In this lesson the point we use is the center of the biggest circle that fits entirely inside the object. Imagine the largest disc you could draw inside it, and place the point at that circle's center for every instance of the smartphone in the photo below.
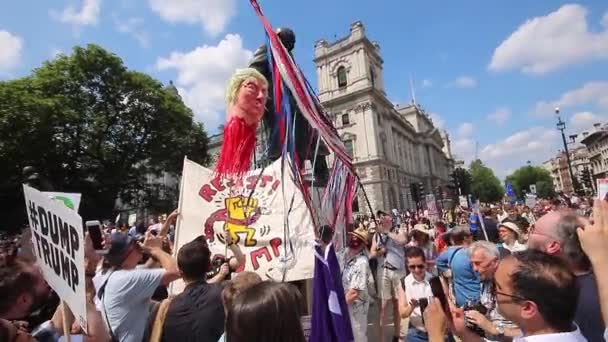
(94, 229)
(439, 293)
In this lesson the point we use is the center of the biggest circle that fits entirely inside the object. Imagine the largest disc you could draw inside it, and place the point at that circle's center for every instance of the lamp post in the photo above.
(561, 126)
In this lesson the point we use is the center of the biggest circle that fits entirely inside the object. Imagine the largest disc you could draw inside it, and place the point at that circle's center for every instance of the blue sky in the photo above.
(489, 72)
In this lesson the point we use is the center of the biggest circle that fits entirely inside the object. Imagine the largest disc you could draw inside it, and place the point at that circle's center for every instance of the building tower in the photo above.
(351, 89)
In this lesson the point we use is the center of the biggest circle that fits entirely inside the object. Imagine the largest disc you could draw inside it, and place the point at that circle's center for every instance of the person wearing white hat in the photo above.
(510, 234)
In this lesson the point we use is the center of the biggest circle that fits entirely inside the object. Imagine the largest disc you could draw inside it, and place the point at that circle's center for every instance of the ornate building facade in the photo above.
(394, 148)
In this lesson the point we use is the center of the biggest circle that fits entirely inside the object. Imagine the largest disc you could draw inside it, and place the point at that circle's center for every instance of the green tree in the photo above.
(485, 186)
(90, 125)
(525, 176)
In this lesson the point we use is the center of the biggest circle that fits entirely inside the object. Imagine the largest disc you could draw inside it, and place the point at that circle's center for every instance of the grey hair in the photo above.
(572, 251)
(490, 248)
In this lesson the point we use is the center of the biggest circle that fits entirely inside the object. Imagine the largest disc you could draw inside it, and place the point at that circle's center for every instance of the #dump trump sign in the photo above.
(58, 241)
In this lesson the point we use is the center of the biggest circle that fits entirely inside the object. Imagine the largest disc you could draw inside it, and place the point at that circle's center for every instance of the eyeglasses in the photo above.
(415, 267)
(519, 298)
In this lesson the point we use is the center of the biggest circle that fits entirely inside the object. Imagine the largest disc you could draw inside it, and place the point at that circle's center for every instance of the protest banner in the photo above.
(70, 200)
(58, 241)
(255, 210)
(433, 211)
(463, 201)
(602, 188)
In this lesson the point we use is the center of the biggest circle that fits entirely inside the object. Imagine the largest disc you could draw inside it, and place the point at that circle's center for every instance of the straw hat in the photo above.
(360, 233)
(422, 228)
(512, 226)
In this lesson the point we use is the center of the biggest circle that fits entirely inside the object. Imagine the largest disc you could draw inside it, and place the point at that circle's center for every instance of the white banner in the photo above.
(70, 200)
(208, 205)
(58, 240)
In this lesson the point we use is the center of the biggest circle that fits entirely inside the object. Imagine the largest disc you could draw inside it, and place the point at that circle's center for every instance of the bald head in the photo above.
(555, 234)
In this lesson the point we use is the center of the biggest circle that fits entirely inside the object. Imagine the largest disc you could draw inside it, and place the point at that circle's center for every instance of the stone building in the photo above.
(596, 143)
(558, 168)
(392, 147)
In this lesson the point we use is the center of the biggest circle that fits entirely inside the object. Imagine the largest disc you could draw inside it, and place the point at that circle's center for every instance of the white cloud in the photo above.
(465, 129)
(463, 149)
(591, 93)
(522, 144)
(427, 83)
(547, 43)
(438, 121)
(10, 50)
(212, 14)
(134, 27)
(500, 116)
(55, 52)
(202, 75)
(583, 121)
(464, 82)
(87, 15)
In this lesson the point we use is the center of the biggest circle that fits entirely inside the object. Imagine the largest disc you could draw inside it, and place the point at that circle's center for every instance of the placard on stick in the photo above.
(58, 240)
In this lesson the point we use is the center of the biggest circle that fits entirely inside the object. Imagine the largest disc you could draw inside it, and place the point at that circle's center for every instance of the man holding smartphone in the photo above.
(415, 294)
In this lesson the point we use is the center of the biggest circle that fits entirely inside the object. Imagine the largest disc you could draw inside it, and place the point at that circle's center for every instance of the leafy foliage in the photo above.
(485, 186)
(90, 125)
(525, 176)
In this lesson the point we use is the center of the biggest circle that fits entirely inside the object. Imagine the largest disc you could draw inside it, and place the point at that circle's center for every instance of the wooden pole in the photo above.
(67, 319)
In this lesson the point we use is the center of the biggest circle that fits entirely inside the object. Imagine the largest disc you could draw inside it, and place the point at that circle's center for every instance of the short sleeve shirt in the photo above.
(355, 275)
(126, 300)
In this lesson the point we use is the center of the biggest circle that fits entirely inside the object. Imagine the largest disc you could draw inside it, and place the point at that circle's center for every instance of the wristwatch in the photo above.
(500, 330)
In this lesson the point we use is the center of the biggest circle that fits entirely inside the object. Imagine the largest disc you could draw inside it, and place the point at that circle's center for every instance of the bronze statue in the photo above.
(305, 136)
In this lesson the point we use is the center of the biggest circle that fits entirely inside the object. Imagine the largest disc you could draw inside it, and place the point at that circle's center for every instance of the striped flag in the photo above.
(330, 318)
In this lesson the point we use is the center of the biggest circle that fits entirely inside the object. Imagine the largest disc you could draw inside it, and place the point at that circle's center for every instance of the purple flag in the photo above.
(330, 319)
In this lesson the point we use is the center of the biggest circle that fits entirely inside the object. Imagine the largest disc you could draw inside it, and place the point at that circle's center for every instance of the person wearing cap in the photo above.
(355, 276)
(509, 234)
(124, 290)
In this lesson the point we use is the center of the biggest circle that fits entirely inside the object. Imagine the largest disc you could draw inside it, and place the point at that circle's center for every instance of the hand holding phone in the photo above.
(94, 229)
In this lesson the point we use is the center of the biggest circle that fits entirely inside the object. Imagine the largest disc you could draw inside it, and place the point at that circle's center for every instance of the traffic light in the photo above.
(414, 191)
(421, 189)
(586, 178)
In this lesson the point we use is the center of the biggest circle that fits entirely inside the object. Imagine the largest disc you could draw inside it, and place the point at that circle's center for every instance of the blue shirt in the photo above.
(127, 300)
(465, 280)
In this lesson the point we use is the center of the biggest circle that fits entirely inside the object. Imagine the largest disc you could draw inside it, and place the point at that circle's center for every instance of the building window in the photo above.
(342, 77)
(349, 146)
(345, 119)
(372, 76)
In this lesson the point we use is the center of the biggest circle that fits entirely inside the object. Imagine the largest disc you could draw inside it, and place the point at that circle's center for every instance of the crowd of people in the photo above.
(507, 271)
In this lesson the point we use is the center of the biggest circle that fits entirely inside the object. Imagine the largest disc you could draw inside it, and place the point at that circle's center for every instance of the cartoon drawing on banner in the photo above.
(253, 211)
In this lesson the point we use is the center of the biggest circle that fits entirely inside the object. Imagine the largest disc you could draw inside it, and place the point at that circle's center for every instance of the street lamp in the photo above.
(561, 126)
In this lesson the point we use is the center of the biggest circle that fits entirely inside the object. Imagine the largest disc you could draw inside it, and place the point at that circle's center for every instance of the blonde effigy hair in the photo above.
(237, 79)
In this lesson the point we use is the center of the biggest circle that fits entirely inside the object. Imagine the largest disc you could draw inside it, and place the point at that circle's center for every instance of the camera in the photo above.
(216, 266)
(474, 305)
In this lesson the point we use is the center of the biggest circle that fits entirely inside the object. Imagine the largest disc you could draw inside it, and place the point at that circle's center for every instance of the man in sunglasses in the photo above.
(415, 294)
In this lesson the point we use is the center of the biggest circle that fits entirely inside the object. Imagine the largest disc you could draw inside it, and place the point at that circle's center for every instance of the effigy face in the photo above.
(251, 100)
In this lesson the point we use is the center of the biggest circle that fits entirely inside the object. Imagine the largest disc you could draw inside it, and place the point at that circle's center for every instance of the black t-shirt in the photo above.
(588, 315)
(197, 314)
